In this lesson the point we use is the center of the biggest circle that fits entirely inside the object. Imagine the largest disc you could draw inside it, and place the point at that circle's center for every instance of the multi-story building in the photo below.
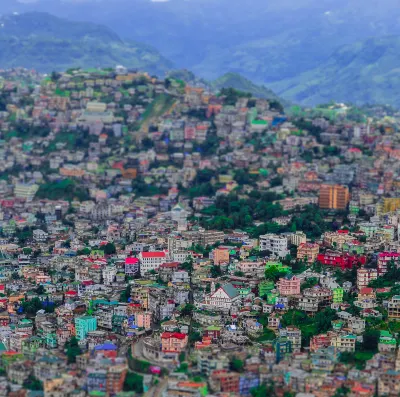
(394, 308)
(25, 191)
(383, 261)
(297, 238)
(151, 260)
(277, 245)
(337, 295)
(83, 325)
(308, 251)
(109, 274)
(131, 266)
(339, 259)
(143, 319)
(334, 197)
(224, 297)
(365, 276)
(221, 256)
(344, 343)
(387, 343)
(289, 285)
(293, 335)
(173, 342)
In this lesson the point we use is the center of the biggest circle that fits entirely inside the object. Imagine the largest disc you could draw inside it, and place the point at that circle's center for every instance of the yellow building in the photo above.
(390, 204)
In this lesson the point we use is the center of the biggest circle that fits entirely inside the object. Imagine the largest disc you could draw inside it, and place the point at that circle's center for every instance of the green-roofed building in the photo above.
(387, 343)
(265, 287)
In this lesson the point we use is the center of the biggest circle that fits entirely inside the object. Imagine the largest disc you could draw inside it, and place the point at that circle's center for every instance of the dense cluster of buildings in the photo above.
(130, 264)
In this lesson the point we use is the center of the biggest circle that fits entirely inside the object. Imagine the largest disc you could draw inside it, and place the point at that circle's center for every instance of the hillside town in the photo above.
(167, 240)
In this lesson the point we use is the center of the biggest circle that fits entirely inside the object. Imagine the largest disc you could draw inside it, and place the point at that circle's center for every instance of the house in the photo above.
(289, 285)
(40, 236)
(365, 276)
(344, 343)
(224, 297)
(387, 343)
(394, 308)
(221, 256)
(308, 252)
(173, 342)
(339, 259)
(276, 244)
(384, 258)
(131, 266)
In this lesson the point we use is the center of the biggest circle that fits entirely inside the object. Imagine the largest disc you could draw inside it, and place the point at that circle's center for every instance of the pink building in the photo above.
(143, 320)
(173, 342)
(190, 133)
(42, 278)
(289, 285)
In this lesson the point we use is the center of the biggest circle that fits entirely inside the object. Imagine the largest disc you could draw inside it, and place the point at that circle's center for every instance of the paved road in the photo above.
(157, 391)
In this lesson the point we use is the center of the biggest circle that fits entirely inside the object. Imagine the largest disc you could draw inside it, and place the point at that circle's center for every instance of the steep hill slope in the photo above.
(44, 42)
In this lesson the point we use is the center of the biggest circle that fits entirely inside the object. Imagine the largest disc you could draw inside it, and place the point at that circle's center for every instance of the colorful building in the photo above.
(337, 295)
(83, 325)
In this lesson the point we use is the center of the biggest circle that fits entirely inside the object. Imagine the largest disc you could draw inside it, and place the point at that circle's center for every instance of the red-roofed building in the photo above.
(151, 260)
(131, 266)
(173, 342)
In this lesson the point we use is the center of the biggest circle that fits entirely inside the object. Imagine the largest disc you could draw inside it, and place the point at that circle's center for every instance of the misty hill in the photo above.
(238, 82)
(45, 42)
(364, 72)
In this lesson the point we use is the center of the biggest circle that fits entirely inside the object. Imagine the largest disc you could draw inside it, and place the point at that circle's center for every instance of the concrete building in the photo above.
(334, 197)
(274, 243)
(83, 325)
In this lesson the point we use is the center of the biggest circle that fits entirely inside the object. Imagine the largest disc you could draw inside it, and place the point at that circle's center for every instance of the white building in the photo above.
(25, 191)
(224, 297)
(109, 274)
(151, 260)
(274, 243)
(40, 235)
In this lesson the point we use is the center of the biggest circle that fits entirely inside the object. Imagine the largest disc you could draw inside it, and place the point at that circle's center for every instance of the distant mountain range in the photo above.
(364, 72)
(44, 42)
(305, 50)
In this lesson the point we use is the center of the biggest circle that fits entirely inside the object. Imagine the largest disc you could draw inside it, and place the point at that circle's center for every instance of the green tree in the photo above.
(133, 382)
(40, 290)
(187, 310)
(32, 383)
(32, 306)
(73, 350)
(125, 294)
(216, 271)
(237, 364)
(109, 249)
(273, 273)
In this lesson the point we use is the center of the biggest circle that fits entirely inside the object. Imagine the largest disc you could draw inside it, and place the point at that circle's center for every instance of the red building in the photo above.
(226, 382)
(339, 259)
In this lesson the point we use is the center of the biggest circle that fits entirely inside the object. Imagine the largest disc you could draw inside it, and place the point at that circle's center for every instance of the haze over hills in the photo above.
(364, 72)
(46, 43)
(278, 44)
